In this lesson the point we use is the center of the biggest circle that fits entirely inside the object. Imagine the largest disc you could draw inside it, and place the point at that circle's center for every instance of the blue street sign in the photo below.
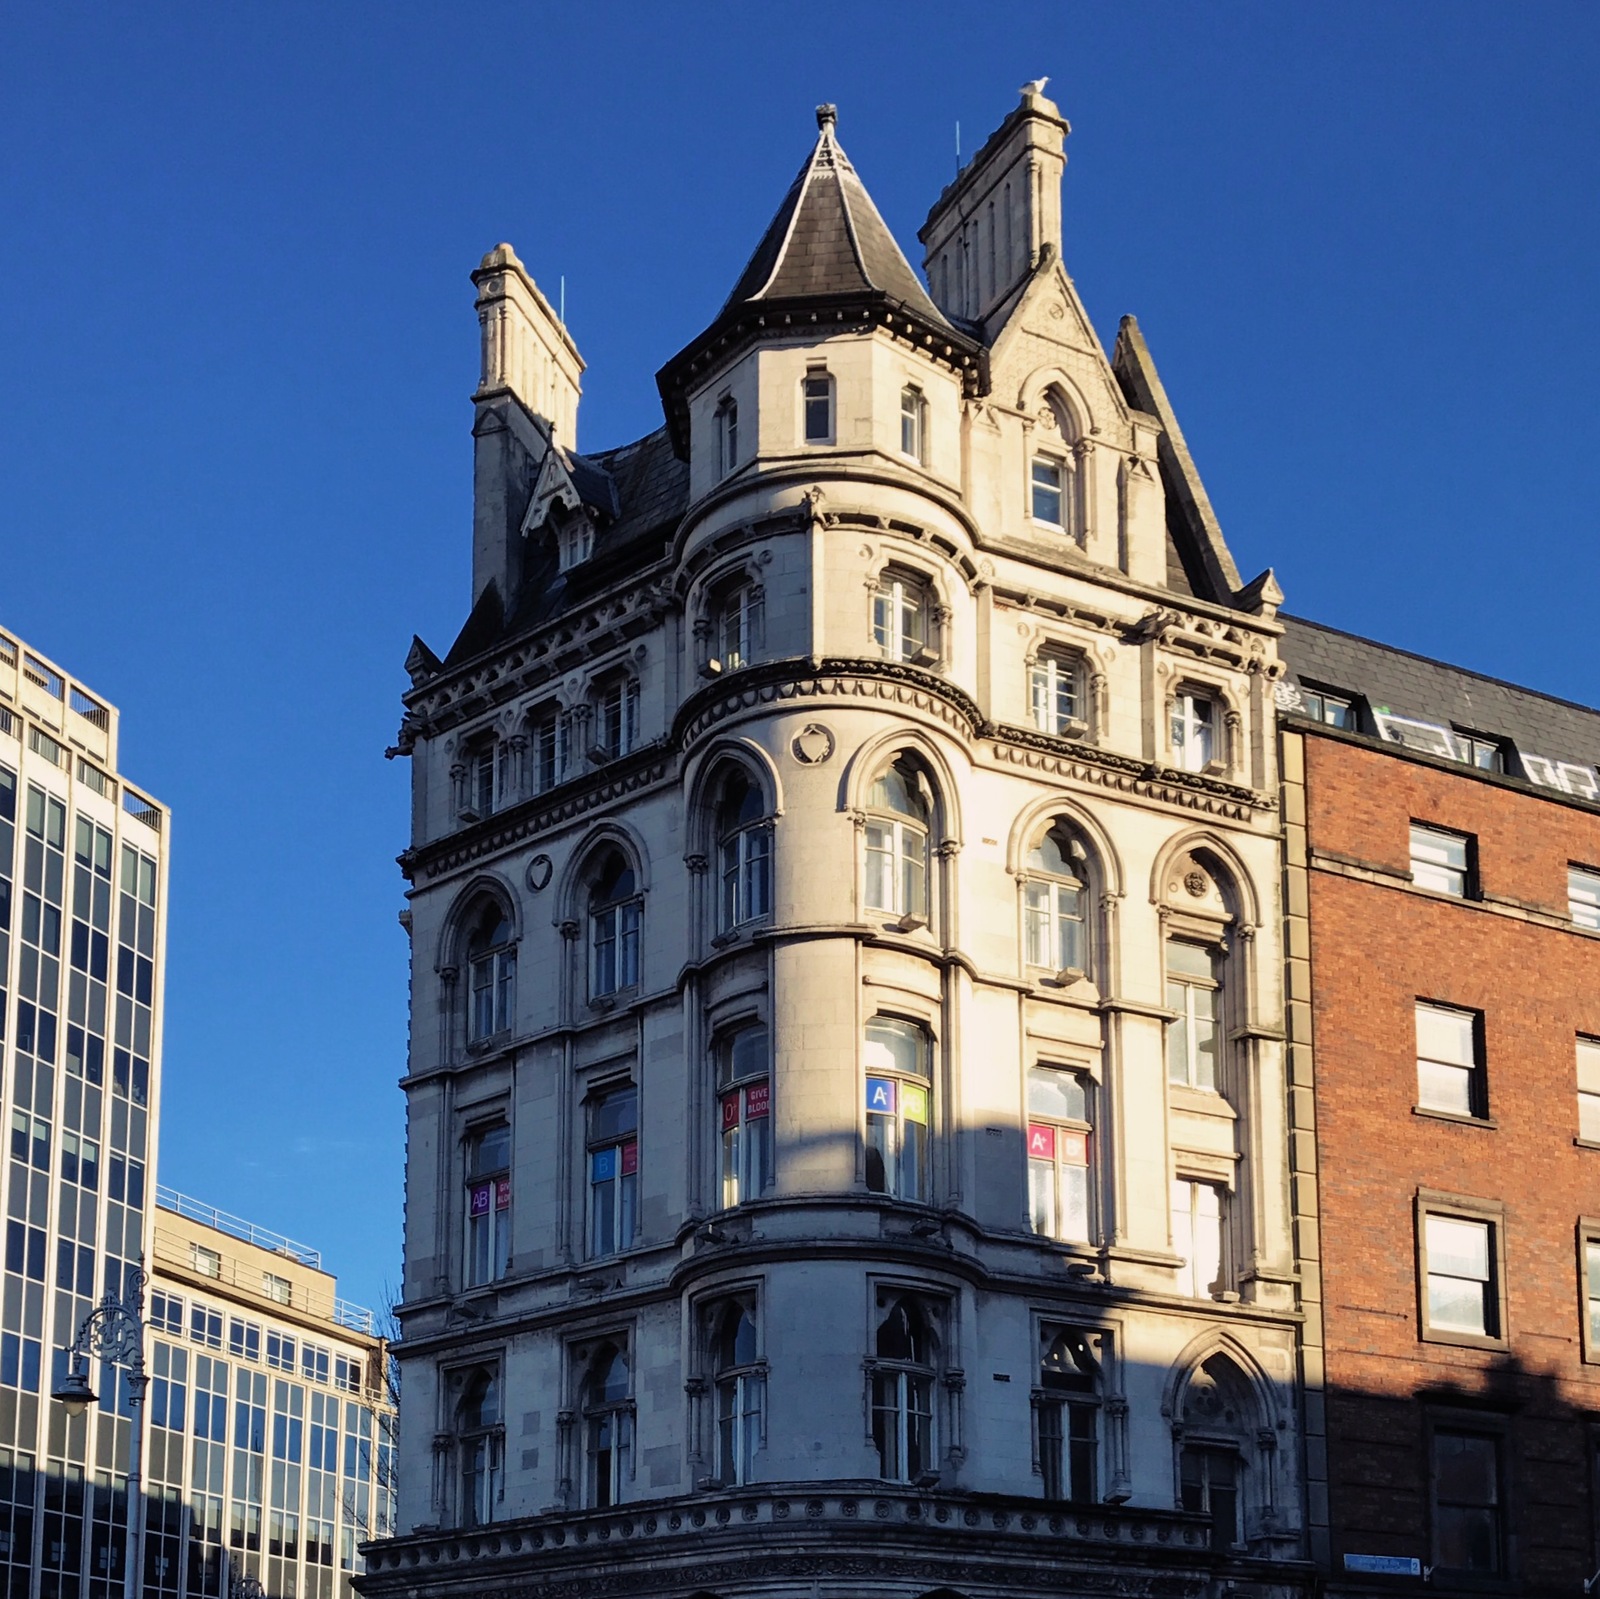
(1384, 1565)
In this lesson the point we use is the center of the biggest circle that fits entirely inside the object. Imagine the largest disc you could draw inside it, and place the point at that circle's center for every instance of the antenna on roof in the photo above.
(562, 313)
(958, 145)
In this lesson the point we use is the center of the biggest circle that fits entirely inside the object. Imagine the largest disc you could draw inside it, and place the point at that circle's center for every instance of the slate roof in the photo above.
(828, 238)
(1431, 691)
(646, 483)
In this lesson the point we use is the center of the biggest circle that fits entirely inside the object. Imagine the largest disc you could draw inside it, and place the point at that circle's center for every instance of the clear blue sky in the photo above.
(237, 340)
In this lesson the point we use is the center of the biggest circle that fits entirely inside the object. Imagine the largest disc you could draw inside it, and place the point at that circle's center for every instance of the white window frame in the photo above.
(617, 718)
(1489, 1219)
(1583, 897)
(1469, 1073)
(1048, 462)
(741, 619)
(1432, 864)
(488, 1231)
(1196, 729)
(1056, 676)
(1198, 1003)
(893, 1097)
(1188, 1215)
(1052, 1139)
(548, 738)
(618, 1414)
(826, 396)
(914, 424)
(744, 1118)
(901, 1391)
(1588, 1060)
(903, 626)
(611, 1200)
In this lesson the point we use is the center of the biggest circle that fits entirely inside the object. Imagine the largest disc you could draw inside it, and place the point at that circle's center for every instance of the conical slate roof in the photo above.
(828, 238)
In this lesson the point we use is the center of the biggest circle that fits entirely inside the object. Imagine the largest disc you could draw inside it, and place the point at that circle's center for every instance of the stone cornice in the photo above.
(747, 1540)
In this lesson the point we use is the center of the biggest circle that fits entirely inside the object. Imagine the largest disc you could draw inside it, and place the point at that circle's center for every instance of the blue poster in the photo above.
(603, 1165)
(880, 1096)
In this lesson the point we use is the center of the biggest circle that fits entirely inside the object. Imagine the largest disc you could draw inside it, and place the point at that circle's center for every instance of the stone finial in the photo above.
(827, 118)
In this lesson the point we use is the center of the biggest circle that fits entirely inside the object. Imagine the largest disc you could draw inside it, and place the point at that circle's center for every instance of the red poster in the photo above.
(1041, 1142)
(630, 1159)
(502, 1193)
(730, 1111)
(758, 1099)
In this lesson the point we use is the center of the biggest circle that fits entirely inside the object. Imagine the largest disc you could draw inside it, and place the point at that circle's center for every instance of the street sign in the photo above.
(1383, 1565)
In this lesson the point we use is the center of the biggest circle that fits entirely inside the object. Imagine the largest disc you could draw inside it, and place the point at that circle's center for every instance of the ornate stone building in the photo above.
(847, 1141)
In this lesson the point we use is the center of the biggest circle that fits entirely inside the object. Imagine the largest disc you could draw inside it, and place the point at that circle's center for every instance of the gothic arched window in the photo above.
(480, 1437)
(491, 974)
(608, 1427)
(744, 853)
(900, 817)
(739, 1390)
(1054, 896)
(615, 913)
(902, 1392)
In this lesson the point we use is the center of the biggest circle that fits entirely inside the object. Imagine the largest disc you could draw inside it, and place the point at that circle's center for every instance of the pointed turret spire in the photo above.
(827, 257)
(828, 238)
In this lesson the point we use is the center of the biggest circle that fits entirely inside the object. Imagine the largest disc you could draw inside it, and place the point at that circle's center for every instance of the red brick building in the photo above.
(1443, 892)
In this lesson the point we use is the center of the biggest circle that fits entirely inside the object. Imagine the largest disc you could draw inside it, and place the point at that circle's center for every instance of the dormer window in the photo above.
(913, 423)
(1049, 483)
(818, 399)
(727, 420)
(574, 543)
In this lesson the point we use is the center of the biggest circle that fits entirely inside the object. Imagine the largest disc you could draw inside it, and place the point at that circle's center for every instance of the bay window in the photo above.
(898, 1057)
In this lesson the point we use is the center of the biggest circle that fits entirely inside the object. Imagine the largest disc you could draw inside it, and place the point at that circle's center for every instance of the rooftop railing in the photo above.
(237, 1227)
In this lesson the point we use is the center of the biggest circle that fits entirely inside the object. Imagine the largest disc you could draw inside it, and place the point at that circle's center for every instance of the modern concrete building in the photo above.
(82, 904)
(1444, 896)
(272, 1416)
(847, 1105)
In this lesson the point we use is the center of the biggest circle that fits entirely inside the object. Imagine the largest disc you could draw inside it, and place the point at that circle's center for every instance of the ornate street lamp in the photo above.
(114, 1331)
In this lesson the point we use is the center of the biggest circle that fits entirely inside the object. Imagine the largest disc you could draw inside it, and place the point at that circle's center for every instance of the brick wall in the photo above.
(1377, 946)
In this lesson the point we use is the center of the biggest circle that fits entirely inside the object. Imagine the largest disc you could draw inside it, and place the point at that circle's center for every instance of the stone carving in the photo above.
(812, 745)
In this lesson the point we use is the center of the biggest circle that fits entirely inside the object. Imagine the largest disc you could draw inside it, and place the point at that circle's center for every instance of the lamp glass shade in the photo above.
(75, 1393)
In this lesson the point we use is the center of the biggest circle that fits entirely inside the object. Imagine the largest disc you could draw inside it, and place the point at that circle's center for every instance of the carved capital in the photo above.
(571, 929)
(696, 863)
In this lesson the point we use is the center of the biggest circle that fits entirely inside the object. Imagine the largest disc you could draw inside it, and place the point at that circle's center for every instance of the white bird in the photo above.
(1036, 87)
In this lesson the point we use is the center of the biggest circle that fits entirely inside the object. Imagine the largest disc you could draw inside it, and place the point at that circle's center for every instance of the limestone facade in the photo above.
(846, 1094)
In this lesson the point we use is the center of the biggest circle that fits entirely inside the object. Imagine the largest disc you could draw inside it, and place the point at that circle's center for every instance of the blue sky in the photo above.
(237, 340)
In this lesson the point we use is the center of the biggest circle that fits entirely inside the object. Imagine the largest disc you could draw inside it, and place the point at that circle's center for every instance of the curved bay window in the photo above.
(902, 1392)
(740, 621)
(1194, 992)
(480, 1436)
(744, 853)
(607, 1428)
(899, 825)
(902, 620)
(488, 1205)
(739, 1389)
(491, 974)
(1068, 1408)
(1059, 1151)
(898, 1056)
(745, 1108)
(1054, 897)
(614, 916)
(613, 1150)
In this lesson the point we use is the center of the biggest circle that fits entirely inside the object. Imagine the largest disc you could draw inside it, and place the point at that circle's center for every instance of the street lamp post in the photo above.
(114, 1331)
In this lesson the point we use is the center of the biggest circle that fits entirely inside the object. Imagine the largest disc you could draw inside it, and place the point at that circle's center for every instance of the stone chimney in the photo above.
(1002, 215)
(526, 400)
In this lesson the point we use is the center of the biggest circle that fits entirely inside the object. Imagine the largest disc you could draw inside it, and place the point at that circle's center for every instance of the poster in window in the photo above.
(881, 1096)
(480, 1199)
(630, 1159)
(1041, 1142)
(758, 1100)
(730, 1111)
(502, 1193)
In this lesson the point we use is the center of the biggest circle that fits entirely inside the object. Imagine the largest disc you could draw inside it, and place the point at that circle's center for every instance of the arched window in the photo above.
(739, 1389)
(898, 1056)
(608, 1427)
(491, 974)
(727, 421)
(745, 1110)
(913, 423)
(744, 853)
(480, 1435)
(1068, 1407)
(613, 1151)
(817, 400)
(899, 822)
(1219, 1420)
(1054, 696)
(488, 1172)
(1060, 1152)
(615, 910)
(902, 1393)
(902, 618)
(1053, 896)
